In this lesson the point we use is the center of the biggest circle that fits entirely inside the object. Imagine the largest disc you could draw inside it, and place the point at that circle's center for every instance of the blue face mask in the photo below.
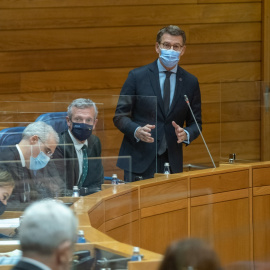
(81, 131)
(38, 162)
(169, 58)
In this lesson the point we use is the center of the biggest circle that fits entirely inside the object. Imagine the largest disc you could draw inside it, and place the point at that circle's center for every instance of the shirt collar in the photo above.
(21, 155)
(163, 69)
(36, 263)
(78, 146)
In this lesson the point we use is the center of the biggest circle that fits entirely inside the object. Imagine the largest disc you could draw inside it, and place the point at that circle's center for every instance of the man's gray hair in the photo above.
(42, 130)
(81, 103)
(45, 226)
(172, 30)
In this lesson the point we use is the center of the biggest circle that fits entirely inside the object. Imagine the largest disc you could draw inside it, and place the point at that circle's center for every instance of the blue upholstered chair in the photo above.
(10, 136)
(56, 119)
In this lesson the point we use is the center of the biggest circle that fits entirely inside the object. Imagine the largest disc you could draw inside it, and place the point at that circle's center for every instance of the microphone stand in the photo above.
(187, 101)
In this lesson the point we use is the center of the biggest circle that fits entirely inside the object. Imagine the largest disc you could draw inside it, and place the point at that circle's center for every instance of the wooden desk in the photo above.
(227, 206)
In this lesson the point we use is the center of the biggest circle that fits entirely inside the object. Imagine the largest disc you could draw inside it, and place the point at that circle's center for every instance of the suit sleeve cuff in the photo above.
(187, 140)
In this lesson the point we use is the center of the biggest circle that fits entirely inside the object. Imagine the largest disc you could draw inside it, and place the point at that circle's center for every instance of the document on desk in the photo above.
(8, 226)
(10, 223)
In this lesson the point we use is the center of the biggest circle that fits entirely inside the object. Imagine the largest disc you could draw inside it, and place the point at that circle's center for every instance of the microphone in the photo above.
(187, 101)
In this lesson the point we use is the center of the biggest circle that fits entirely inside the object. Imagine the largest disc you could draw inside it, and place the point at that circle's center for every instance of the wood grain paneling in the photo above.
(96, 215)
(127, 233)
(229, 232)
(84, 17)
(62, 50)
(158, 239)
(261, 228)
(163, 193)
(121, 205)
(261, 177)
(219, 183)
(68, 59)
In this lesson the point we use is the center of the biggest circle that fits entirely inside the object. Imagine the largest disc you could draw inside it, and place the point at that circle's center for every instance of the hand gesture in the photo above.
(144, 133)
(180, 133)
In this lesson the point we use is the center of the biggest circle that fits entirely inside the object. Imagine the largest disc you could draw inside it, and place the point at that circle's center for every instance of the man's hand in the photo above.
(144, 133)
(180, 133)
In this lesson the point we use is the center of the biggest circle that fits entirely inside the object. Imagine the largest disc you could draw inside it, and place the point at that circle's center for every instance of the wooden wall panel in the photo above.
(104, 16)
(62, 50)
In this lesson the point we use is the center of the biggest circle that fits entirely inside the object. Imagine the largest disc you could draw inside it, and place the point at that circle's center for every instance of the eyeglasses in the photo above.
(47, 150)
(168, 46)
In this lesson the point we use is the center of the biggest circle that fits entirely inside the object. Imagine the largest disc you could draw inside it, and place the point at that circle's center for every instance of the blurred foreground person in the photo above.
(47, 235)
(190, 254)
(6, 187)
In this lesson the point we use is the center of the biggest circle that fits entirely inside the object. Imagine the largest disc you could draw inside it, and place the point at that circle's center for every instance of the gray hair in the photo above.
(81, 103)
(45, 226)
(42, 130)
(172, 30)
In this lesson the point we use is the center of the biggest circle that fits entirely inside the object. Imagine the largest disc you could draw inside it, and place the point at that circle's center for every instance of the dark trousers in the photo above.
(157, 166)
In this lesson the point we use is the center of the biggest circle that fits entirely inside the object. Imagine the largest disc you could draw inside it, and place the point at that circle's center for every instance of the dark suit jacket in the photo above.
(141, 103)
(68, 165)
(21, 265)
(44, 183)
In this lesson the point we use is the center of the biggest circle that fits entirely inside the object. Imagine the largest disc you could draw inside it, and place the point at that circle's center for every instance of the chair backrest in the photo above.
(11, 136)
(56, 119)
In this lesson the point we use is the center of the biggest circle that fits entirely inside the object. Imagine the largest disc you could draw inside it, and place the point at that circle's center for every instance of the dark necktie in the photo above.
(166, 100)
(85, 166)
(166, 92)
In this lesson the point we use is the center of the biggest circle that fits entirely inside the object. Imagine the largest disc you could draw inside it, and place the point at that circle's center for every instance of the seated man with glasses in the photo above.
(30, 164)
(150, 145)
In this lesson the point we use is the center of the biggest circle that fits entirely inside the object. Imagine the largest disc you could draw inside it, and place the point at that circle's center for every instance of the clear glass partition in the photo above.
(122, 115)
(244, 124)
(205, 150)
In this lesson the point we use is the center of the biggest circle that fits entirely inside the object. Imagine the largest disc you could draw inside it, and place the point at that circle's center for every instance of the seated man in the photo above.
(29, 163)
(79, 151)
(47, 235)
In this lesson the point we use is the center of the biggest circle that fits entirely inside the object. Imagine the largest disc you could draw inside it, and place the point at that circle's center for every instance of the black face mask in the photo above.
(2, 208)
(81, 131)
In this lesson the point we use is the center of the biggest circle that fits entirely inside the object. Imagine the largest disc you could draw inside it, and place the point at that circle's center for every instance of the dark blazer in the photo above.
(21, 265)
(141, 103)
(68, 165)
(43, 183)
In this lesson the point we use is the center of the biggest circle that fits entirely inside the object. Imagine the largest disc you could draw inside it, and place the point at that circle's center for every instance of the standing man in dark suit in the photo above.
(152, 111)
(79, 151)
(47, 235)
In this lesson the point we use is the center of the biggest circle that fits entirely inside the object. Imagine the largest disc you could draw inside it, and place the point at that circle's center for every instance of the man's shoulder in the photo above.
(187, 75)
(94, 140)
(9, 153)
(144, 68)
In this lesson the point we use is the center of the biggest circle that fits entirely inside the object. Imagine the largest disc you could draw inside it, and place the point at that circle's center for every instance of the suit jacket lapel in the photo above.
(178, 88)
(71, 151)
(154, 78)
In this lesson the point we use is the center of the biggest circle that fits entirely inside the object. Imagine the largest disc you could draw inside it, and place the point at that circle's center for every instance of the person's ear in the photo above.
(33, 139)
(157, 48)
(95, 122)
(183, 51)
(69, 122)
(64, 255)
